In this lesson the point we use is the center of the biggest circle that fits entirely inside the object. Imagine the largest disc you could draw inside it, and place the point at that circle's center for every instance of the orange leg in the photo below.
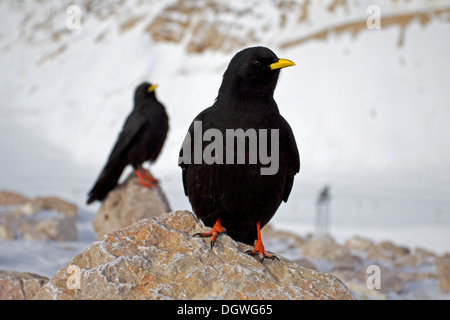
(259, 247)
(142, 181)
(148, 176)
(216, 230)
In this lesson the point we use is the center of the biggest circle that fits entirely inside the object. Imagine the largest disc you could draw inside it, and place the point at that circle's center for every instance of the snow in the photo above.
(370, 117)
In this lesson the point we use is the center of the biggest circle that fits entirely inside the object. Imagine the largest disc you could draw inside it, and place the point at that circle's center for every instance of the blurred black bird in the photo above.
(141, 139)
(237, 198)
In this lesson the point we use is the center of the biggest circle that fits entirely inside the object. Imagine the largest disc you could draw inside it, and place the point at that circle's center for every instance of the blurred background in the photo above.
(368, 100)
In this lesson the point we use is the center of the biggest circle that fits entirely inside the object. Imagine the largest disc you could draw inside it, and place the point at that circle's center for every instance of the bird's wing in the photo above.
(117, 159)
(185, 166)
(133, 124)
(293, 159)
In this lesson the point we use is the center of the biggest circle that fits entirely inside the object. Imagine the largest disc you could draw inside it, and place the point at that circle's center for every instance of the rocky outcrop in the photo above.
(398, 266)
(128, 203)
(41, 219)
(158, 258)
(443, 272)
(212, 25)
(325, 248)
(404, 273)
(8, 198)
(206, 25)
(19, 285)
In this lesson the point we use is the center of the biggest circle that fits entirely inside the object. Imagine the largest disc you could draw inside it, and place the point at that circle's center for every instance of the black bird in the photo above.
(140, 140)
(235, 197)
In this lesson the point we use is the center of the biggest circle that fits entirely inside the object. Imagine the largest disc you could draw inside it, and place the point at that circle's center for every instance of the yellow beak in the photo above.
(152, 88)
(282, 63)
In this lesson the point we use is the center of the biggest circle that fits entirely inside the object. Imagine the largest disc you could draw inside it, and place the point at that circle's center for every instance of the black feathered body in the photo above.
(147, 143)
(239, 194)
(141, 139)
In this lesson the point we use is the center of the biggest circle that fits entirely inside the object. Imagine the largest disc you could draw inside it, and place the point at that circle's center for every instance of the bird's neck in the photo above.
(248, 103)
(240, 93)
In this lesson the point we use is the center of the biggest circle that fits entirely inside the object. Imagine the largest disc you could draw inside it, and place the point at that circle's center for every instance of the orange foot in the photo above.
(259, 248)
(148, 176)
(216, 230)
(144, 180)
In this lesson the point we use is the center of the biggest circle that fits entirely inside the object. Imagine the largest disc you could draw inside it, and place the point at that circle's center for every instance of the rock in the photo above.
(40, 219)
(359, 243)
(57, 228)
(356, 281)
(390, 281)
(305, 263)
(19, 285)
(29, 208)
(386, 250)
(422, 256)
(6, 233)
(158, 258)
(419, 258)
(128, 203)
(286, 243)
(290, 239)
(347, 262)
(184, 19)
(325, 248)
(443, 273)
(364, 293)
(8, 198)
(53, 203)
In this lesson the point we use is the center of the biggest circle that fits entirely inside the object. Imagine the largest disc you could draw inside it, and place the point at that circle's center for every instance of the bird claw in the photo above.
(213, 236)
(200, 235)
(205, 235)
(216, 231)
(146, 179)
(261, 252)
(148, 176)
(262, 255)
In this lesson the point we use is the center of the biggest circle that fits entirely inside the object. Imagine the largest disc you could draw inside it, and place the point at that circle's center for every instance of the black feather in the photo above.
(237, 193)
(141, 139)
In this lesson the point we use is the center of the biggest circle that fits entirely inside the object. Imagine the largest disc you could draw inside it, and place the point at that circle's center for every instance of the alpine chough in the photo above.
(226, 193)
(140, 140)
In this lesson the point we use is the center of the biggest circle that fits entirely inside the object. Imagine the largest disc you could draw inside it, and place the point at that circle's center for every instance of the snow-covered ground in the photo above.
(370, 118)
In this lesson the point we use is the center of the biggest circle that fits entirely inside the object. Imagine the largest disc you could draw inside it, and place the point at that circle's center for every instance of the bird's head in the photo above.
(144, 91)
(253, 71)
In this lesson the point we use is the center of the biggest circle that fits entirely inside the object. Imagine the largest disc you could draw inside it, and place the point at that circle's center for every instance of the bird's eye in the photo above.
(257, 63)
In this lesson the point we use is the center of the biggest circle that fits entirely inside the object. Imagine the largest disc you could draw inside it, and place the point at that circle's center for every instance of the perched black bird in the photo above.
(141, 139)
(229, 195)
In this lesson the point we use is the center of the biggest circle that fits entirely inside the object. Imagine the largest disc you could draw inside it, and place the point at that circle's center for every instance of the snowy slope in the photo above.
(369, 108)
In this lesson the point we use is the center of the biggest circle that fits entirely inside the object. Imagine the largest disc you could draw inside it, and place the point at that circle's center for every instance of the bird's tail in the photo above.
(106, 182)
